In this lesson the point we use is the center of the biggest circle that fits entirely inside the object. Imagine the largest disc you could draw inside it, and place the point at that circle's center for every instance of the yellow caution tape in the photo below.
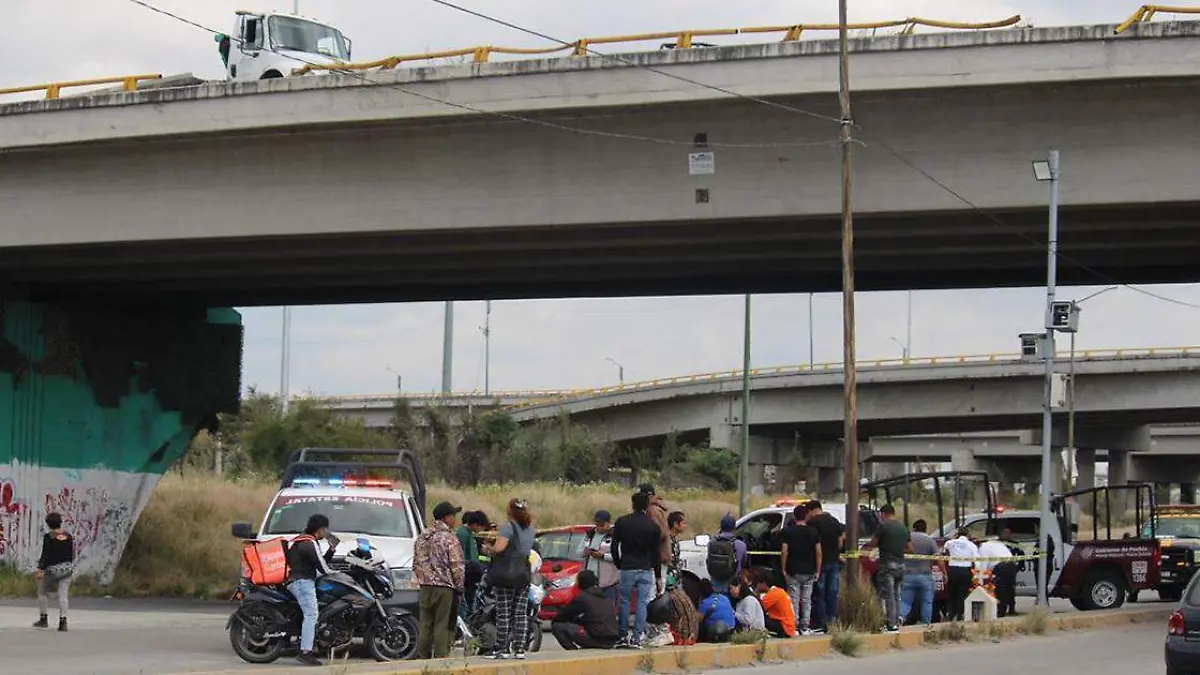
(874, 554)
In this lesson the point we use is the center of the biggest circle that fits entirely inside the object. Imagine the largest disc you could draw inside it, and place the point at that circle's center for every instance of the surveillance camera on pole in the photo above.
(1034, 346)
(1064, 317)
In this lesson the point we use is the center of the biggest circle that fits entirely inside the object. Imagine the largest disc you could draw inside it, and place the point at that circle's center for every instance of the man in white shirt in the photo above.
(962, 552)
(1004, 571)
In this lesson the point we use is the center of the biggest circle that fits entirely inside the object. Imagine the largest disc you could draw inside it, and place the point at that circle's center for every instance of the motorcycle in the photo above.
(477, 632)
(268, 620)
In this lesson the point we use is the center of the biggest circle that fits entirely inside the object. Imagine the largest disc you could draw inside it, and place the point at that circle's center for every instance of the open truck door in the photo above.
(1108, 548)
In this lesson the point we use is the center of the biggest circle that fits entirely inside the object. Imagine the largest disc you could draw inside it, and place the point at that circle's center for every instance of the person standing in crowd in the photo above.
(587, 622)
(636, 551)
(748, 610)
(997, 559)
(717, 619)
(54, 570)
(440, 572)
(599, 557)
(779, 617)
(828, 584)
(892, 540)
(918, 576)
(305, 565)
(962, 552)
(725, 572)
(801, 562)
(473, 522)
(514, 541)
(659, 513)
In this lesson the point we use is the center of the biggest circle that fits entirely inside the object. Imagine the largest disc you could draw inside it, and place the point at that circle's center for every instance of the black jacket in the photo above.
(594, 612)
(305, 561)
(635, 542)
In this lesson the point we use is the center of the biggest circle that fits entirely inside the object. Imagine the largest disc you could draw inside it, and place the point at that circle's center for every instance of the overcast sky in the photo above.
(566, 343)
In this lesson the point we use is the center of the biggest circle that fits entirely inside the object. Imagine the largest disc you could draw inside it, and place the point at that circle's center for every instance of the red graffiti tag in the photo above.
(11, 514)
(82, 512)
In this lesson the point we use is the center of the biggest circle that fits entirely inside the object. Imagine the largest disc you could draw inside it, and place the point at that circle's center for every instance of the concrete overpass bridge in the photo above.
(332, 189)
(131, 216)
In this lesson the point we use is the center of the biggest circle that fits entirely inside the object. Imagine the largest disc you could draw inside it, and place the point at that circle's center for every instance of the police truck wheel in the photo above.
(1103, 589)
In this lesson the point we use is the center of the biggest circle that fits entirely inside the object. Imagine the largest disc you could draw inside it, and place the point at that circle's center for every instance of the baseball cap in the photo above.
(646, 489)
(445, 509)
(602, 516)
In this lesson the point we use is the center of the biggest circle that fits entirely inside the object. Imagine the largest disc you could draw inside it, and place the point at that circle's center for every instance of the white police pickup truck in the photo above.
(359, 498)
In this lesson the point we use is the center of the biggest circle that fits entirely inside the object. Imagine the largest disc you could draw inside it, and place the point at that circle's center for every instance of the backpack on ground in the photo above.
(722, 563)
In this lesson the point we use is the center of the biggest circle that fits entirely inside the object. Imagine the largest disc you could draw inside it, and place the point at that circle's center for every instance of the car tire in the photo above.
(1104, 589)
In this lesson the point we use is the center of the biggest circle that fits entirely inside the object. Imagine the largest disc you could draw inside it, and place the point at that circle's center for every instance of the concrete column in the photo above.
(1118, 467)
(1085, 461)
(963, 459)
(723, 436)
(1187, 493)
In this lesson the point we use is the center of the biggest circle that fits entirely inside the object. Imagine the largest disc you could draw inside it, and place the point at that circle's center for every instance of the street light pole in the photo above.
(1071, 392)
(849, 374)
(447, 346)
(744, 464)
(487, 348)
(1044, 562)
(285, 360)
(810, 330)
(620, 369)
(908, 330)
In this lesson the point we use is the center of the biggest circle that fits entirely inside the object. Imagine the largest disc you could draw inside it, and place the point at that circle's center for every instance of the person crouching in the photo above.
(588, 621)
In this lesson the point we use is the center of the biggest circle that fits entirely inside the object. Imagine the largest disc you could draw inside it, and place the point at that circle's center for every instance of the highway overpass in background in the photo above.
(326, 189)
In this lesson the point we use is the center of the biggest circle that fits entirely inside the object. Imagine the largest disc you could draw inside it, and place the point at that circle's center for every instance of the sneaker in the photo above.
(807, 632)
(891, 629)
(62, 624)
(520, 656)
(41, 623)
(308, 659)
(497, 655)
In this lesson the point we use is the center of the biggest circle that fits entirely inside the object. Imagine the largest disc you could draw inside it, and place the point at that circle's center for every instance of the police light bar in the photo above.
(341, 482)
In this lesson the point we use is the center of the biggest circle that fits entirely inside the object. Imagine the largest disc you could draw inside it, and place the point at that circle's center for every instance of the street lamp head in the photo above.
(1041, 170)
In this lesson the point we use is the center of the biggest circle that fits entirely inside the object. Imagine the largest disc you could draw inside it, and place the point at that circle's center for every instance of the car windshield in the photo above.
(309, 37)
(1177, 527)
(377, 516)
(562, 545)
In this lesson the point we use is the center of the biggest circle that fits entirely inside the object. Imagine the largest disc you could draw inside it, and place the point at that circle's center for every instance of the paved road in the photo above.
(1137, 649)
(157, 637)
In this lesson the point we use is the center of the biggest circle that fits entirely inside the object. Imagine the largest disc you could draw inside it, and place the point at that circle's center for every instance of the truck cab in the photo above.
(361, 500)
(272, 44)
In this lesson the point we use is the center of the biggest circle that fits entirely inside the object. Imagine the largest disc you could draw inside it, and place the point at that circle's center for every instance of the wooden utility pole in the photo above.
(850, 374)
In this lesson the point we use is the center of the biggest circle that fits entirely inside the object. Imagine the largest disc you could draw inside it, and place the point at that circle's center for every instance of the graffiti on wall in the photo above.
(99, 509)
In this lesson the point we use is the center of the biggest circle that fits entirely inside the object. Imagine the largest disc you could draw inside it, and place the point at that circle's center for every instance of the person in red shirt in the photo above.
(777, 605)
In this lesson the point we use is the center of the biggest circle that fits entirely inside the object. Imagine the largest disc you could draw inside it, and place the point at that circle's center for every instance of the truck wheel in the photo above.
(1104, 589)
(1170, 593)
(1078, 604)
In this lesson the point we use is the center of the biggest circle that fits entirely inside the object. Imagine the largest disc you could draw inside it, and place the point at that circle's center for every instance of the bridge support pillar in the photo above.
(963, 459)
(1118, 467)
(1187, 493)
(1085, 461)
(95, 404)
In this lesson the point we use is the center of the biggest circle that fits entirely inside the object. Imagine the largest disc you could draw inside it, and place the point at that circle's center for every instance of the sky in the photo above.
(551, 344)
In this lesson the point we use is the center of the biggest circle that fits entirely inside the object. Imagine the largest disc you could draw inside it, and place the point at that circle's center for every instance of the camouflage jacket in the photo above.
(438, 558)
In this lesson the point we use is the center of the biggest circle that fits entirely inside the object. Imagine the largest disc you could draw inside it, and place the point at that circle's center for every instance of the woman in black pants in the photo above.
(514, 539)
(54, 571)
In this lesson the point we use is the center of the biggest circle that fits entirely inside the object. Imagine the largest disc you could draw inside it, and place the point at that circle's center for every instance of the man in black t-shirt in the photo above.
(827, 586)
(801, 551)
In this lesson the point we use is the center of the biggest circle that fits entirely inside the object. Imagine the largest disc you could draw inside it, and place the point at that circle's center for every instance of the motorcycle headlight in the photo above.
(563, 582)
(403, 578)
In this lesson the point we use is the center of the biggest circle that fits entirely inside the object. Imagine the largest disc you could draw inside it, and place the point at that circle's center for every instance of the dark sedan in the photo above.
(1183, 633)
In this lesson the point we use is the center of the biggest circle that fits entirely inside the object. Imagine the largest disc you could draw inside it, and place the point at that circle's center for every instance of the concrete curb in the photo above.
(704, 656)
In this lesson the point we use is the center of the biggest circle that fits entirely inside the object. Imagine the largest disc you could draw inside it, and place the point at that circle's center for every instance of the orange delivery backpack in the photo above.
(264, 563)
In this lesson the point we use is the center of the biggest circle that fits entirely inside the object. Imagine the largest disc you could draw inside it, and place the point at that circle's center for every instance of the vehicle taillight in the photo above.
(1175, 625)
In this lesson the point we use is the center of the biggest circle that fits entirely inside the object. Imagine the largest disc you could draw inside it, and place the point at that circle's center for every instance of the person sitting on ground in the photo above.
(719, 567)
(588, 621)
(717, 619)
(749, 610)
(685, 620)
(780, 614)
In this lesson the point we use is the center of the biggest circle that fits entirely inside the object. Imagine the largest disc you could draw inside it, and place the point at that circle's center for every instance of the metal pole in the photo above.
(1044, 563)
(744, 467)
(811, 361)
(285, 358)
(487, 348)
(908, 332)
(850, 375)
(295, 6)
(448, 347)
(1071, 417)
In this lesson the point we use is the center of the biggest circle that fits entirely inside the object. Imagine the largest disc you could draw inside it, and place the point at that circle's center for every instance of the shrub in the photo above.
(1035, 622)
(845, 641)
(859, 608)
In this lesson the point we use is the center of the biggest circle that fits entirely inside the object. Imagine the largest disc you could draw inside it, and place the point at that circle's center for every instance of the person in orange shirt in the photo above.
(777, 605)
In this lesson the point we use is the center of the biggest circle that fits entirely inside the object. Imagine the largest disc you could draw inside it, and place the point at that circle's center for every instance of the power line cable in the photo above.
(508, 116)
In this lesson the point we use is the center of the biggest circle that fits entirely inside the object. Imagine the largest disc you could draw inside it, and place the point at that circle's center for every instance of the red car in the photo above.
(562, 559)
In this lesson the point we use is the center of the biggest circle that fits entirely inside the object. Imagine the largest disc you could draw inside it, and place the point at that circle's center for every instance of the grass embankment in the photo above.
(181, 546)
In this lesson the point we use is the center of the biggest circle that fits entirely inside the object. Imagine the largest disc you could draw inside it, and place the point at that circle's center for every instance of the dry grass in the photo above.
(859, 607)
(182, 547)
(1035, 622)
(845, 641)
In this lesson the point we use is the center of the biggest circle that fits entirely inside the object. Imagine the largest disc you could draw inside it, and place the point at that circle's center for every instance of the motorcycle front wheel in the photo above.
(250, 623)
(398, 643)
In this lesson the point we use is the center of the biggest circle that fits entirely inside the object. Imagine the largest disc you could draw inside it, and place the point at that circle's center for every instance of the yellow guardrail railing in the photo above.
(535, 397)
(54, 89)
(684, 39)
(1146, 13)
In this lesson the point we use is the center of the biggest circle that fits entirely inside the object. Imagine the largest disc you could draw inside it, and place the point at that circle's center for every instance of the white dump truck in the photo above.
(273, 44)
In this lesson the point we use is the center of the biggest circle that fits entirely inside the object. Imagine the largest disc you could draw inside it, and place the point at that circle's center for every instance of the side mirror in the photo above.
(702, 540)
(244, 531)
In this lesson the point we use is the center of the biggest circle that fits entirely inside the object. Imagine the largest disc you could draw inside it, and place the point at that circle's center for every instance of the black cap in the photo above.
(587, 579)
(602, 516)
(646, 489)
(888, 509)
(445, 509)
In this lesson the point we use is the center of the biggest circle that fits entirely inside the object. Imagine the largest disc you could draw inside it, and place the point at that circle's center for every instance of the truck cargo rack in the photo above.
(340, 462)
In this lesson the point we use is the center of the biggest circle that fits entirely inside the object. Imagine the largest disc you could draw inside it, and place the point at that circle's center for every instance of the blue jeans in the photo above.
(643, 581)
(613, 595)
(917, 588)
(825, 596)
(305, 592)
